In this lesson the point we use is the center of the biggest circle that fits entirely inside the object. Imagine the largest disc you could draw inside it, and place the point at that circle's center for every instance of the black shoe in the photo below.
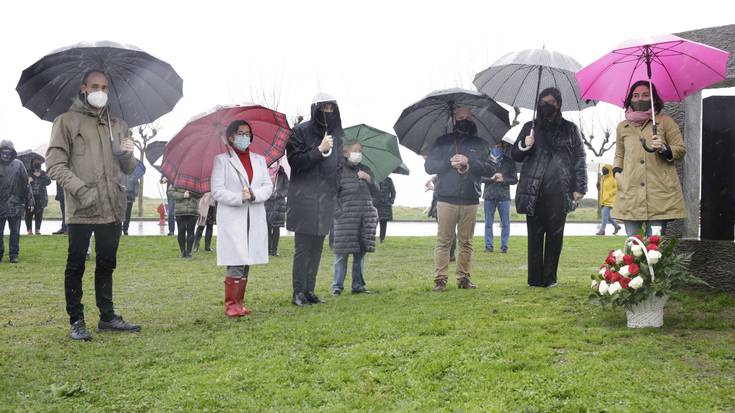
(117, 324)
(79, 331)
(13, 259)
(617, 228)
(488, 250)
(59, 232)
(125, 232)
(170, 234)
(208, 249)
(362, 290)
(504, 250)
(313, 299)
(336, 293)
(300, 300)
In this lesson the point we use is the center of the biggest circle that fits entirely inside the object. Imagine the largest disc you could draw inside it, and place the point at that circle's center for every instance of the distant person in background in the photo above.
(39, 181)
(60, 197)
(553, 179)
(607, 188)
(275, 206)
(384, 204)
(15, 197)
(503, 174)
(206, 221)
(132, 186)
(187, 212)
(170, 205)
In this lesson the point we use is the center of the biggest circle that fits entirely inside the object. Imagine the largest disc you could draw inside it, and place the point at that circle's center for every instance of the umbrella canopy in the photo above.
(142, 88)
(380, 150)
(517, 78)
(28, 156)
(139, 169)
(676, 66)
(402, 169)
(154, 152)
(431, 117)
(189, 156)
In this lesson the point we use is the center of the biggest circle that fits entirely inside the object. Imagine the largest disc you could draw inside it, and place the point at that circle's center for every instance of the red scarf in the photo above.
(245, 160)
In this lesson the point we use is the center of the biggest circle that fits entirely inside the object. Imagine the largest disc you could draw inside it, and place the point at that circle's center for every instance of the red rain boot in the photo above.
(234, 289)
(241, 297)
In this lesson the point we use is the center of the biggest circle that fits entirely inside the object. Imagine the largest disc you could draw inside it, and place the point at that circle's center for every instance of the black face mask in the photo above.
(464, 126)
(641, 105)
(605, 171)
(547, 110)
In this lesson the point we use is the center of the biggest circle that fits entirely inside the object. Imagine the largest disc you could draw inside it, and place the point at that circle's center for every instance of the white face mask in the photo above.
(241, 142)
(355, 157)
(97, 99)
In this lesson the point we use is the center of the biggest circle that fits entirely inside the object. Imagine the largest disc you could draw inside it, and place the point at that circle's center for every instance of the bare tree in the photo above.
(517, 112)
(142, 136)
(597, 135)
(269, 97)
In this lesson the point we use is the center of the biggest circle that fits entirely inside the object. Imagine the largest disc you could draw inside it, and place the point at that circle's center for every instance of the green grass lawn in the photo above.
(503, 347)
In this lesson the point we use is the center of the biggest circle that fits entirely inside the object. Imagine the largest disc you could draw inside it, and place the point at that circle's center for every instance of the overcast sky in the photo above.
(375, 57)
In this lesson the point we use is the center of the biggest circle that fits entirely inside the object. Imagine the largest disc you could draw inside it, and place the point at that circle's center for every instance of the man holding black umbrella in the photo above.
(459, 159)
(88, 153)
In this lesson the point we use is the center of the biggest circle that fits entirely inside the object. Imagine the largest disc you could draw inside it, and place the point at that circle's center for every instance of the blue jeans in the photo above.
(503, 208)
(635, 227)
(340, 271)
(171, 216)
(606, 218)
(14, 243)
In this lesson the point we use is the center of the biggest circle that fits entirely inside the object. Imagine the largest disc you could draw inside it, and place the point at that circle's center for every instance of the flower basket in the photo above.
(647, 313)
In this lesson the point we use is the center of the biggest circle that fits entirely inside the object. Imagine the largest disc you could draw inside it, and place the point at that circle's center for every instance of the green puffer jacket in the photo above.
(184, 206)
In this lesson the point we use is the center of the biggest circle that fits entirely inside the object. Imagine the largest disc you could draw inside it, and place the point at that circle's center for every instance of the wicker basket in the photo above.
(647, 313)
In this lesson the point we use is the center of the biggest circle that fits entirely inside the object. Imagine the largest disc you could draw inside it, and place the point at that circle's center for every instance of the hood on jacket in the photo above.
(317, 121)
(79, 106)
(609, 169)
(8, 144)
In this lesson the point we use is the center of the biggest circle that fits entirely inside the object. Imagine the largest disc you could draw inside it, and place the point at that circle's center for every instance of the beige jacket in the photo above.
(648, 187)
(80, 159)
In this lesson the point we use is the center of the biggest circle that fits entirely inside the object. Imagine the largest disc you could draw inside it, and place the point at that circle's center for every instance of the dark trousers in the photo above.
(128, 211)
(36, 215)
(207, 230)
(185, 225)
(14, 242)
(107, 239)
(545, 240)
(62, 205)
(274, 235)
(307, 255)
(383, 229)
(171, 216)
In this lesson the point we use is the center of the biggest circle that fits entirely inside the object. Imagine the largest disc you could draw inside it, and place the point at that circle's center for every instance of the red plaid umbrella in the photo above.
(188, 157)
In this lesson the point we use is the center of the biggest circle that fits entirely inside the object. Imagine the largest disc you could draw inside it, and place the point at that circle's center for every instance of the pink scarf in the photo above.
(639, 118)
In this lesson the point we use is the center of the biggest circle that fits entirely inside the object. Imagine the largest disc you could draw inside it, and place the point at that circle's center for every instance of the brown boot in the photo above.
(440, 285)
(234, 290)
(465, 283)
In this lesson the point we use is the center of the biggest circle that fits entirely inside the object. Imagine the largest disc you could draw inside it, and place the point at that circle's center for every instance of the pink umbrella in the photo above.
(678, 67)
(189, 156)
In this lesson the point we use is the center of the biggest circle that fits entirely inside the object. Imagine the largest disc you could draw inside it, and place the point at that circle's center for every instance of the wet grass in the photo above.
(503, 347)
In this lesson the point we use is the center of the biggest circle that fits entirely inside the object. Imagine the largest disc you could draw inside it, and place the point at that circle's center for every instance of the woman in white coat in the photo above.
(241, 185)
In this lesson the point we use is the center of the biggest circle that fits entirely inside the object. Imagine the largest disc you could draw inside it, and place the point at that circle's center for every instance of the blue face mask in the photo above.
(6, 156)
(242, 142)
(497, 152)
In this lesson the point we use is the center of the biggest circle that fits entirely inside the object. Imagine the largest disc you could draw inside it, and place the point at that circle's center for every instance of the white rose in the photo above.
(614, 288)
(594, 285)
(603, 287)
(637, 250)
(624, 271)
(618, 254)
(653, 257)
(602, 271)
(636, 283)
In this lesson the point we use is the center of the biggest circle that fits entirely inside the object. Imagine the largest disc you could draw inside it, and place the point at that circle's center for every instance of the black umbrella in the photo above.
(423, 122)
(154, 152)
(28, 156)
(142, 88)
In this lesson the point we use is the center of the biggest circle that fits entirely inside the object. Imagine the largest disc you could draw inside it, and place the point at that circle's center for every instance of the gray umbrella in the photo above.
(423, 122)
(517, 78)
(142, 88)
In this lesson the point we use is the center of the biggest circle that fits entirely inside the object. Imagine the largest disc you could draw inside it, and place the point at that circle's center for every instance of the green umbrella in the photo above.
(379, 149)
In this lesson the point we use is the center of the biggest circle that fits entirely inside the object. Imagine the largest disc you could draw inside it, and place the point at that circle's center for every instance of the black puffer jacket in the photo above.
(561, 140)
(384, 200)
(453, 187)
(355, 219)
(314, 177)
(15, 192)
(275, 206)
(38, 187)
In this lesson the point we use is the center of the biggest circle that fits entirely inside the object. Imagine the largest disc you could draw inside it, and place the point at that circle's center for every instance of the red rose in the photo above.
(655, 239)
(652, 247)
(608, 275)
(624, 282)
(634, 269)
(610, 261)
(615, 277)
(628, 259)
